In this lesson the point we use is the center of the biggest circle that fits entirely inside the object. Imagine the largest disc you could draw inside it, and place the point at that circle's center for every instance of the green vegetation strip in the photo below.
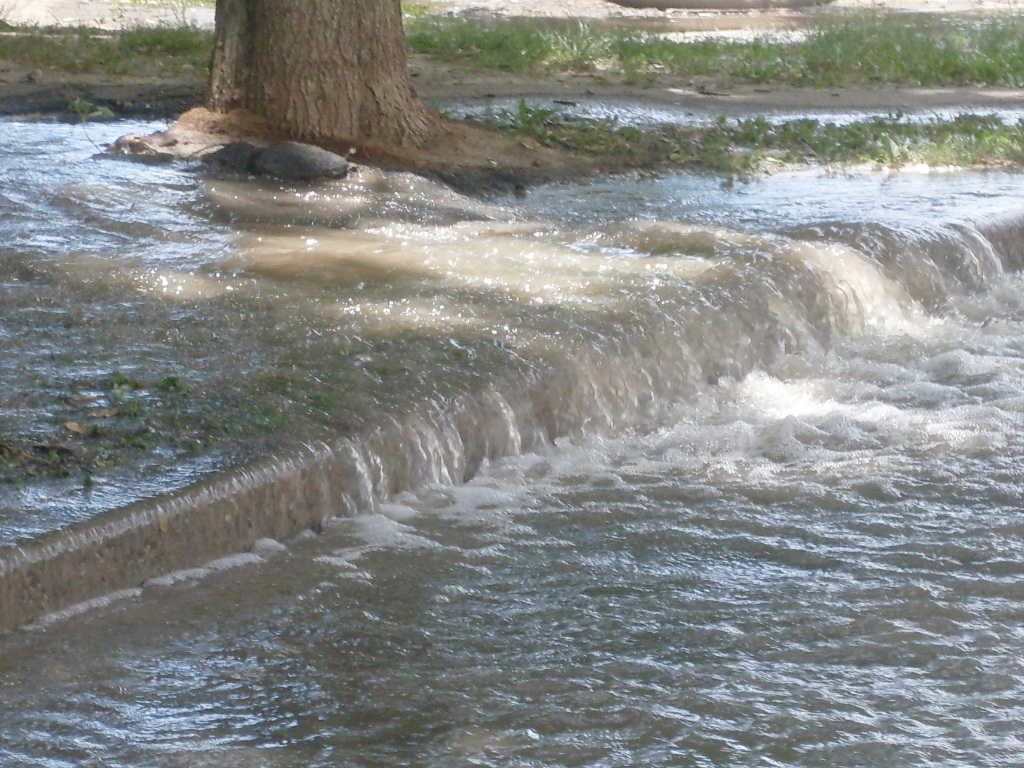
(756, 145)
(903, 49)
(143, 51)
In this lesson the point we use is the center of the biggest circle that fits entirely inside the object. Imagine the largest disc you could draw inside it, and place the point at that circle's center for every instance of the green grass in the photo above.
(756, 145)
(900, 49)
(164, 50)
(917, 50)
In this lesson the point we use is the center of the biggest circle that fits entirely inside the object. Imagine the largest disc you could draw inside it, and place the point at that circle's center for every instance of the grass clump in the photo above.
(757, 145)
(576, 48)
(21, 462)
(513, 46)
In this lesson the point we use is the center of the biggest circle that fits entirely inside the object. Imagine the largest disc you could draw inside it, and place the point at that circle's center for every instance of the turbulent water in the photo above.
(760, 503)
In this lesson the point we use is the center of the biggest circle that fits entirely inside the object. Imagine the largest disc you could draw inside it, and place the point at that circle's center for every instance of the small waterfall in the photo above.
(693, 306)
(932, 263)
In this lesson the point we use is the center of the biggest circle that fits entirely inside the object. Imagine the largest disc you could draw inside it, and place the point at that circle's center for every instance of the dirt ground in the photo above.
(117, 13)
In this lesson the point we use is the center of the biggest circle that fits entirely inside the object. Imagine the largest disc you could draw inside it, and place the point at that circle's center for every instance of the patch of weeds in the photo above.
(85, 111)
(757, 145)
(508, 46)
(907, 49)
(169, 384)
(916, 49)
(118, 380)
(127, 408)
(135, 441)
(527, 118)
(966, 140)
(80, 107)
(579, 48)
(20, 462)
(514, 45)
(857, 49)
(183, 42)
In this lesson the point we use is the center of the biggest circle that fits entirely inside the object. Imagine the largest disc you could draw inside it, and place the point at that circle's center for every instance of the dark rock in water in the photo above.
(287, 160)
(157, 158)
(485, 183)
(291, 161)
(238, 155)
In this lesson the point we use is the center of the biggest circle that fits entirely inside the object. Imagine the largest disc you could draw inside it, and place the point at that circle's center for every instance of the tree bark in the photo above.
(322, 71)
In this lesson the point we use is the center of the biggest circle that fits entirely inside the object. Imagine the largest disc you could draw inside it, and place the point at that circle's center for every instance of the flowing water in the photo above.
(749, 492)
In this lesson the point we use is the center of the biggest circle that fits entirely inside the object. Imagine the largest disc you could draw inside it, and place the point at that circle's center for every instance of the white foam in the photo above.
(214, 566)
(234, 561)
(85, 606)
(268, 546)
(178, 577)
(380, 532)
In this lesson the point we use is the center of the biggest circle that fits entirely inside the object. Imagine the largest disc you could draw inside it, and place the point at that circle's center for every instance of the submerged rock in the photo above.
(287, 160)
(292, 161)
(238, 155)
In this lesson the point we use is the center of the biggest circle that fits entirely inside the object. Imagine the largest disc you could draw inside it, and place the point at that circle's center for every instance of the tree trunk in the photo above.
(322, 71)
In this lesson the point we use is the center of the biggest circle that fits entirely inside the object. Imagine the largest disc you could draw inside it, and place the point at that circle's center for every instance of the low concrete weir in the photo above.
(228, 513)
(770, 296)
(277, 497)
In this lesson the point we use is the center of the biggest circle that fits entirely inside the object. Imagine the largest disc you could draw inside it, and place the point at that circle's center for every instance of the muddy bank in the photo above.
(110, 100)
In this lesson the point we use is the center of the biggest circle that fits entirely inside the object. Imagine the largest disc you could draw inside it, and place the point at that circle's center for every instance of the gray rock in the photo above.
(291, 161)
(237, 155)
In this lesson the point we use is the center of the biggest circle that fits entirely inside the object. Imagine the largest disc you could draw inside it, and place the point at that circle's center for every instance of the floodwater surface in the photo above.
(765, 509)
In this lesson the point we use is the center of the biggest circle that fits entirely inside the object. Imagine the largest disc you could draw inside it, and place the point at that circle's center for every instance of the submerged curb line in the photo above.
(277, 497)
(224, 514)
